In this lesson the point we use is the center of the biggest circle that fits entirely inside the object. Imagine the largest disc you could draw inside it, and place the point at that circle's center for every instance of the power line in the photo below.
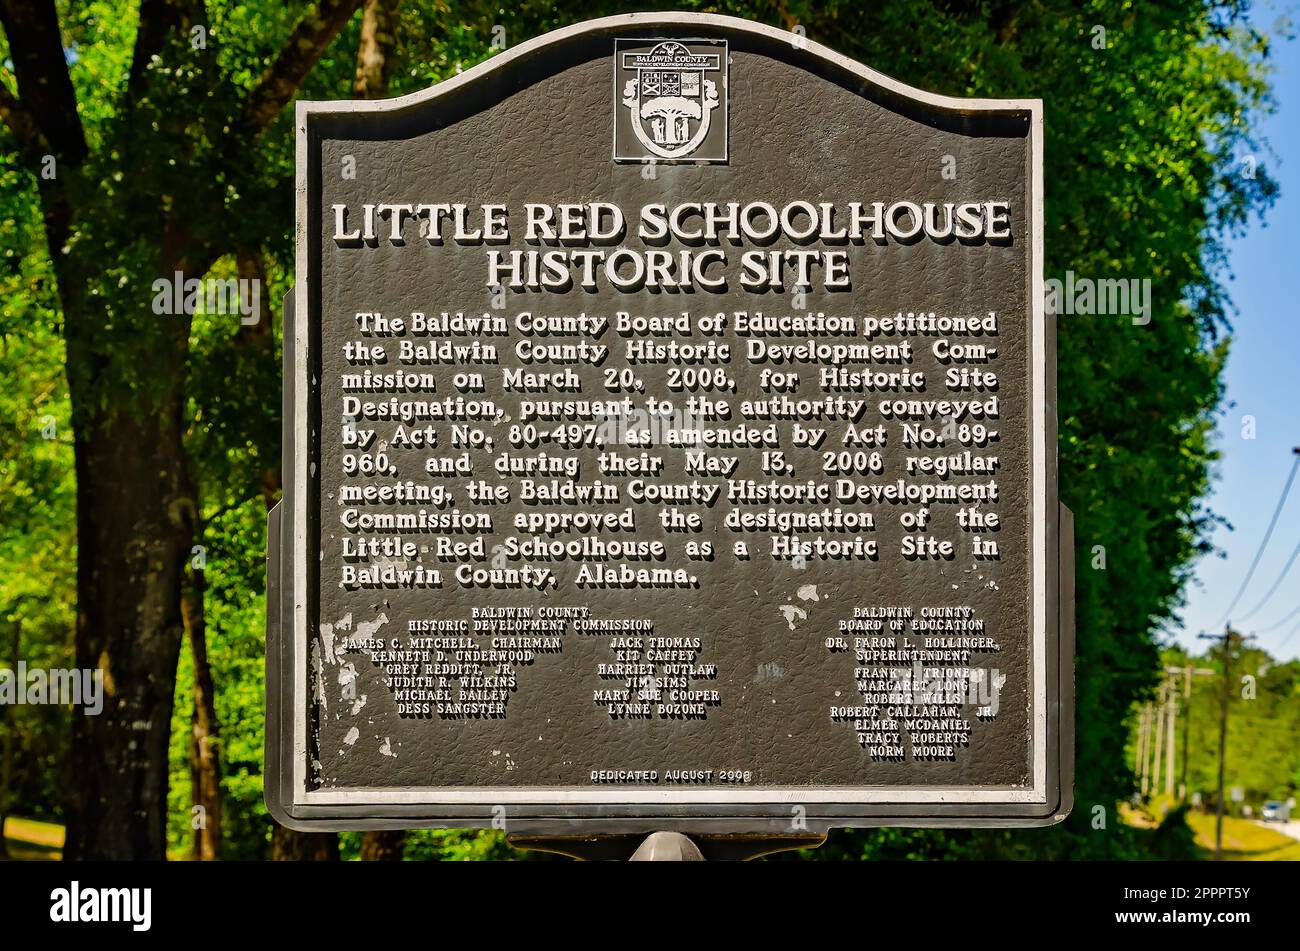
(1276, 624)
(1286, 490)
(1276, 584)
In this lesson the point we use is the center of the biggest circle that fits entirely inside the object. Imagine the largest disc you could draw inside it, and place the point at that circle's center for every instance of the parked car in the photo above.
(1275, 811)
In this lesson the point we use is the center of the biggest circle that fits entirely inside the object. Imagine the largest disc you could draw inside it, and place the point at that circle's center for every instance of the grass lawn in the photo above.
(31, 840)
(1243, 840)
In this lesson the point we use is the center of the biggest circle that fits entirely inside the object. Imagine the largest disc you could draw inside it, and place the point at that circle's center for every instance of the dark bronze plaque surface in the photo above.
(708, 484)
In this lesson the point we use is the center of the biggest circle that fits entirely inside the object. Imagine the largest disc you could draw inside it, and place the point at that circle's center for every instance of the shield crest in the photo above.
(671, 92)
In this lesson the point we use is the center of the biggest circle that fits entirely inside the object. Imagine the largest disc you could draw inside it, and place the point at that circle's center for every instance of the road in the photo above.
(1291, 828)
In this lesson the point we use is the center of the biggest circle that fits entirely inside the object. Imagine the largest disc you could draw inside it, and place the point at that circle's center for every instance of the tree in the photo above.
(668, 115)
(150, 192)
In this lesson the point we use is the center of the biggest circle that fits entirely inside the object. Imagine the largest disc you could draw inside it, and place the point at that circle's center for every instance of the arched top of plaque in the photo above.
(667, 51)
(587, 40)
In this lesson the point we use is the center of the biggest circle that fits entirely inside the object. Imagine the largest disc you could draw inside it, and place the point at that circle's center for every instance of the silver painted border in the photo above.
(569, 796)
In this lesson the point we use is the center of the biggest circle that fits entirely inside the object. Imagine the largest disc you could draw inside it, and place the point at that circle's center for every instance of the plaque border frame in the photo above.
(721, 810)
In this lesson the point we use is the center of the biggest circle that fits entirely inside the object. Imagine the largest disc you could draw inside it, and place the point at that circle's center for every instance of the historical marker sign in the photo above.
(707, 484)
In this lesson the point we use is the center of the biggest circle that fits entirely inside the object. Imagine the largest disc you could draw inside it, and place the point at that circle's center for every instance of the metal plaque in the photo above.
(707, 486)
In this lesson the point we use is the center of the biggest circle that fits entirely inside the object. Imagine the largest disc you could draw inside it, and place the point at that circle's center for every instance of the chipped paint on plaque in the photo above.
(367, 629)
(327, 638)
(791, 612)
(347, 678)
(318, 677)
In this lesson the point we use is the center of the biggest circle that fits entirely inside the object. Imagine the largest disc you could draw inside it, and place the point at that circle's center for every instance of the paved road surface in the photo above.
(1291, 828)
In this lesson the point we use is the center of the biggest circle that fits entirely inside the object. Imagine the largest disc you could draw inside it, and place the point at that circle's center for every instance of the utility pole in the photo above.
(1230, 638)
(1186, 672)
(1187, 728)
(1144, 746)
(1161, 713)
(1171, 694)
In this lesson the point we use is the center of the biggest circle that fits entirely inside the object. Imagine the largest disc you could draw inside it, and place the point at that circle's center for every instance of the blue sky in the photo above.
(1263, 381)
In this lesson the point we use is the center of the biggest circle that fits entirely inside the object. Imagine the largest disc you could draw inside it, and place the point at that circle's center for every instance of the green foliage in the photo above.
(443, 845)
(235, 614)
(38, 552)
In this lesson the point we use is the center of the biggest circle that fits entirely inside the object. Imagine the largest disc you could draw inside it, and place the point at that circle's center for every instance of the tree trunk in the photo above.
(385, 846)
(290, 846)
(205, 734)
(134, 527)
(374, 55)
(11, 727)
